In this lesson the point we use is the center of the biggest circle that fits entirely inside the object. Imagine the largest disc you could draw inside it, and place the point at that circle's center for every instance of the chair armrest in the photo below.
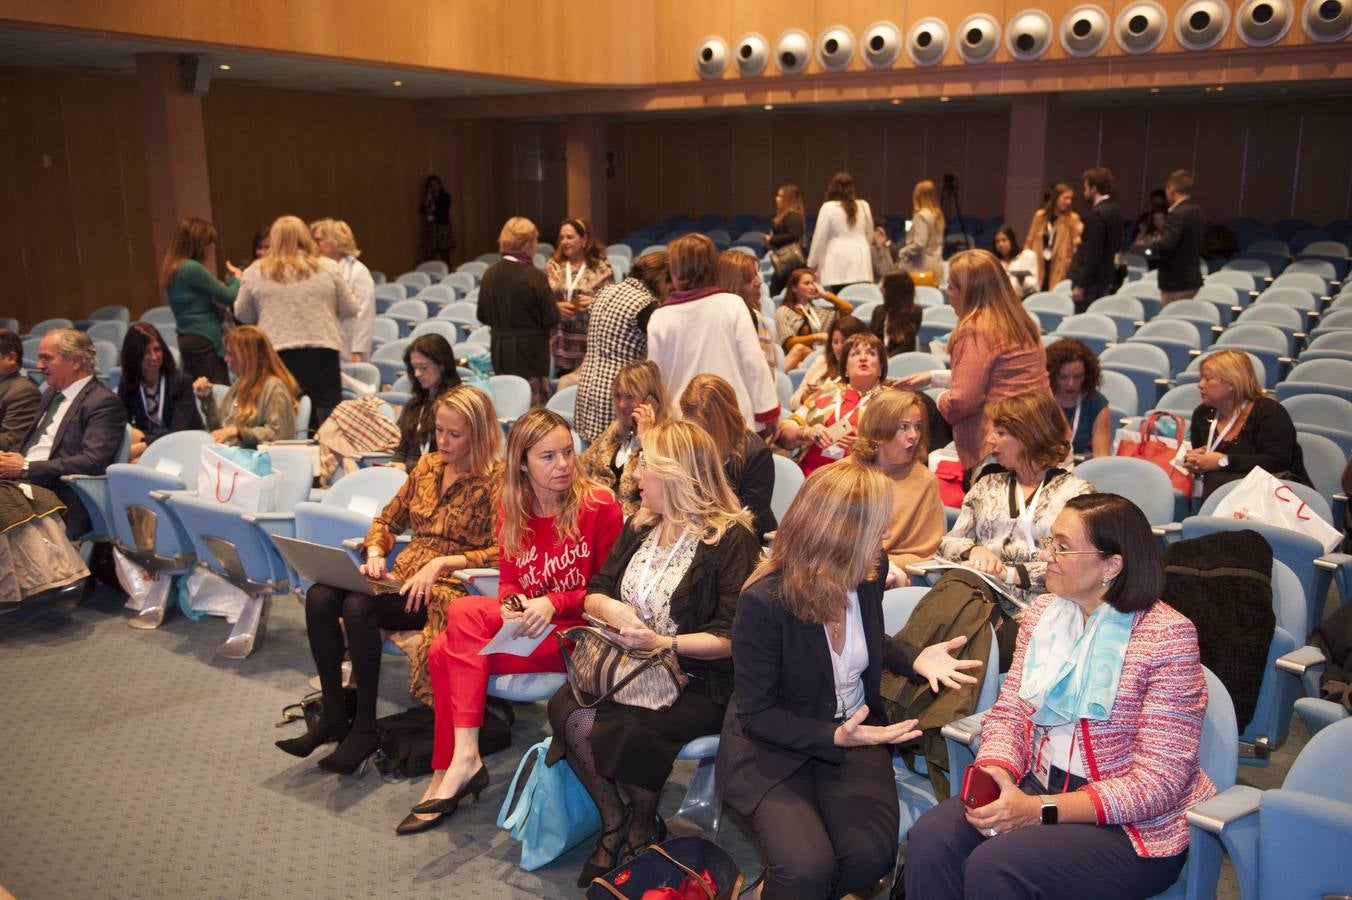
(69, 479)
(259, 518)
(1332, 562)
(1301, 660)
(1226, 809)
(1168, 528)
(1193, 351)
(165, 496)
(964, 731)
(1339, 497)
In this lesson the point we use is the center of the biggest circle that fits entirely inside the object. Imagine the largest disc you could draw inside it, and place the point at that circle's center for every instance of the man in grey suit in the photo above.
(1178, 249)
(18, 396)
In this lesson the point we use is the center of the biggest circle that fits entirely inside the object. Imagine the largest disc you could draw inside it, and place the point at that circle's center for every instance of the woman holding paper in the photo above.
(671, 582)
(554, 530)
(447, 502)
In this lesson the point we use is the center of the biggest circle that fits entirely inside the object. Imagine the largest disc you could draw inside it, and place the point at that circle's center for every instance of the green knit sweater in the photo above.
(198, 298)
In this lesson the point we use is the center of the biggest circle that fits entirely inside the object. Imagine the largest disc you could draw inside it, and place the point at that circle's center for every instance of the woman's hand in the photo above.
(854, 733)
(644, 417)
(879, 236)
(1012, 809)
(765, 239)
(567, 310)
(641, 637)
(202, 386)
(221, 435)
(1200, 461)
(534, 617)
(986, 562)
(234, 269)
(417, 590)
(818, 435)
(373, 568)
(914, 382)
(896, 577)
(936, 664)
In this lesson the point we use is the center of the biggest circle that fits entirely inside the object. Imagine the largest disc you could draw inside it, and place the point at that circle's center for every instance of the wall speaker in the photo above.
(880, 45)
(752, 54)
(711, 57)
(1084, 30)
(1327, 20)
(1029, 34)
(1262, 22)
(1199, 24)
(978, 38)
(927, 42)
(1140, 26)
(835, 48)
(792, 51)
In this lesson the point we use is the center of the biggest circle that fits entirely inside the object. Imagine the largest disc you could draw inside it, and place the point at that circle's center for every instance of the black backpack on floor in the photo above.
(406, 738)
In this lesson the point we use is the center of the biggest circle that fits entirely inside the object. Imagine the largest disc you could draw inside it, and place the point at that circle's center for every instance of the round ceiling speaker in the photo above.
(880, 45)
(751, 55)
(1327, 20)
(1140, 26)
(1262, 22)
(835, 48)
(711, 57)
(978, 38)
(927, 42)
(1084, 30)
(1199, 24)
(1029, 34)
(792, 51)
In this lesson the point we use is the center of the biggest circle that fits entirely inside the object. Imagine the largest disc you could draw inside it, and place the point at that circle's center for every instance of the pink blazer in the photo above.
(983, 374)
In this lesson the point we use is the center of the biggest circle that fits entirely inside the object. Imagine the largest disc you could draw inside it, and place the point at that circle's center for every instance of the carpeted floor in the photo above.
(139, 764)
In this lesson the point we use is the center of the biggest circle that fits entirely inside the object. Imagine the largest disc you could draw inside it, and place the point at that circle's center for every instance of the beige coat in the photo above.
(1068, 228)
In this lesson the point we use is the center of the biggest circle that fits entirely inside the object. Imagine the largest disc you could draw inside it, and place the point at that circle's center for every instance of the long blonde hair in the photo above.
(518, 497)
(694, 489)
(989, 301)
(829, 541)
(926, 196)
(710, 402)
(257, 363)
(485, 436)
(291, 252)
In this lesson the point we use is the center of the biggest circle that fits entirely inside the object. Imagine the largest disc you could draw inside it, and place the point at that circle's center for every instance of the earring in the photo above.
(1106, 581)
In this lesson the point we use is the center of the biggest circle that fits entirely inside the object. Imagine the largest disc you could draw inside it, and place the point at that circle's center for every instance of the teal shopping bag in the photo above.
(547, 809)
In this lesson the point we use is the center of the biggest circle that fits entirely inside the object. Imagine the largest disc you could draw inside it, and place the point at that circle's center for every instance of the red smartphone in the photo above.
(979, 787)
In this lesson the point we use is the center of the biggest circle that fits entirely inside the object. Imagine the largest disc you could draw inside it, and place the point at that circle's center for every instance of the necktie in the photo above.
(47, 417)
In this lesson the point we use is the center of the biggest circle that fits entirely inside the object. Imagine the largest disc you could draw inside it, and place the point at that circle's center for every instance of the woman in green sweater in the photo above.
(198, 298)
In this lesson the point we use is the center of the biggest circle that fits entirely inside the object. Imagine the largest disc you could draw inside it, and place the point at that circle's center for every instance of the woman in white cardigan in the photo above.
(840, 241)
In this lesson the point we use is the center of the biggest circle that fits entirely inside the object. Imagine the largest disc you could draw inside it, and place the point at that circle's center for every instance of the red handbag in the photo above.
(1156, 449)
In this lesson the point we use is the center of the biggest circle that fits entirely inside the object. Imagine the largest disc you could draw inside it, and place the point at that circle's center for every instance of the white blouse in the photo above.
(849, 664)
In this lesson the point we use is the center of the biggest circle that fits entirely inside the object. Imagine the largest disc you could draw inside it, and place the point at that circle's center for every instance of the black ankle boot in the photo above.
(307, 743)
(351, 753)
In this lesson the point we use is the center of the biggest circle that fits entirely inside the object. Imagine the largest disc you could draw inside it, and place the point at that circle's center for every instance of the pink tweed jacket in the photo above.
(983, 374)
(1142, 761)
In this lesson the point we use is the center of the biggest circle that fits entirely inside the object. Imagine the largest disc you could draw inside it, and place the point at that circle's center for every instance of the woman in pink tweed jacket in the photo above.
(1094, 739)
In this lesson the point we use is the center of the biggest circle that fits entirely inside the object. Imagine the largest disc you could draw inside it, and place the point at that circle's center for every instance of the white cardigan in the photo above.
(840, 253)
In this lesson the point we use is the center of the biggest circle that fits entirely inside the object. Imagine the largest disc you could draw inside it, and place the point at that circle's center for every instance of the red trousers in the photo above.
(460, 675)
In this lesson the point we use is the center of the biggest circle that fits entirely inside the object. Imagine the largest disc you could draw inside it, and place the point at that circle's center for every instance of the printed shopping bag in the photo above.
(237, 477)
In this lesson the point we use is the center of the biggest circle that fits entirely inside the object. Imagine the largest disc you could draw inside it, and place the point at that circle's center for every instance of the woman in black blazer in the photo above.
(158, 397)
(711, 403)
(803, 755)
(671, 580)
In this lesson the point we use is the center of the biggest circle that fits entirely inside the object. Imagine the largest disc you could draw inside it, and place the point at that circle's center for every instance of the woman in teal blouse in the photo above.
(198, 298)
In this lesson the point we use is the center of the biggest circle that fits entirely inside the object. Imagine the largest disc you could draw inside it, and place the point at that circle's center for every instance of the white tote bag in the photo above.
(1261, 496)
(236, 477)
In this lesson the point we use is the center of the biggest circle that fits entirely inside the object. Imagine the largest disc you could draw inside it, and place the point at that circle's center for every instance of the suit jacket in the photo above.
(1102, 238)
(1178, 249)
(86, 443)
(19, 400)
(180, 407)
(783, 710)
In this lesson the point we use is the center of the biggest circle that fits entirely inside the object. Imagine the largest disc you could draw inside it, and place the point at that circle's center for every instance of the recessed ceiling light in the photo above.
(1154, 90)
(943, 99)
(224, 67)
(896, 101)
(1219, 88)
(398, 83)
(768, 107)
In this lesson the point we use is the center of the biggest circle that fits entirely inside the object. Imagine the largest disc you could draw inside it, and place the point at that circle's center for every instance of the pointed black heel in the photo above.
(351, 754)
(311, 740)
(476, 786)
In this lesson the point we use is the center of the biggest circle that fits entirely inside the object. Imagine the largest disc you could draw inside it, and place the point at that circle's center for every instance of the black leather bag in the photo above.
(787, 258)
(406, 738)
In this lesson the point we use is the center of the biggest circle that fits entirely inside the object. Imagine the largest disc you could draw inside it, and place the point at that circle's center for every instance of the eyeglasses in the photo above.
(1056, 552)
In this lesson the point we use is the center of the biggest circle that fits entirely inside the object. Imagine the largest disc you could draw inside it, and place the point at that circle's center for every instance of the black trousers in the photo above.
(201, 359)
(828, 830)
(320, 375)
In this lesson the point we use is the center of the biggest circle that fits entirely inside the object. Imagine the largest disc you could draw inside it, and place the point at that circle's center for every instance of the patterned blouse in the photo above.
(598, 461)
(836, 402)
(796, 321)
(460, 521)
(569, 341)
(652, 576)
(617, 334)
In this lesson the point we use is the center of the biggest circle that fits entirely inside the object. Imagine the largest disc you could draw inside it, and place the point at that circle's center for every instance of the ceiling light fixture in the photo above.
(895, 101)
(767, 107)
(398, 83)
(943, 99)
(224, 67)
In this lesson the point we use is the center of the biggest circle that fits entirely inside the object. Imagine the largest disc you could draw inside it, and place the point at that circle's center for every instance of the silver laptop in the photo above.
(329, 565)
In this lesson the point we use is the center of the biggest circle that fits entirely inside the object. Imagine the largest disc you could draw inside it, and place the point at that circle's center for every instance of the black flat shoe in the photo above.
(476, 785)
(310, 741)
(413, 825)
(351, 753)
(590, 870)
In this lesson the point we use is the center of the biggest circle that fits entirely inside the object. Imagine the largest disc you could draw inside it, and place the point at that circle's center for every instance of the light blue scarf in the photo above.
(1072, 665)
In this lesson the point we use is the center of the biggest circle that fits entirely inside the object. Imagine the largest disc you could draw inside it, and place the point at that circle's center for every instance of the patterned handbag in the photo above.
(597, 665)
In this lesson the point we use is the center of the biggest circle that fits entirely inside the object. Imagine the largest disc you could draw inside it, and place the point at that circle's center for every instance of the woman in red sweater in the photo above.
(554, 531)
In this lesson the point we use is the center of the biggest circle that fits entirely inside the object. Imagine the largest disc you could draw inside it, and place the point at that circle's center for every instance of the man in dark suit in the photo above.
(1178, 249)
(1093, 270)
(18, 396)
(79, 428)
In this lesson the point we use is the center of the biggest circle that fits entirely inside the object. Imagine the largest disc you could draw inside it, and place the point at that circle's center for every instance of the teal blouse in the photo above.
(198, 300)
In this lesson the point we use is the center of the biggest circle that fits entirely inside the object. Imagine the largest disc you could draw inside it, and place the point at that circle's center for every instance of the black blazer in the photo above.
(878, 325)
(788, 231)
(1178, 249)
(754, 483)
(1093, 262)
(86, 443)
(783, 710)
(179, 401)
(516, 302)
(706, 598)
(1268, 439)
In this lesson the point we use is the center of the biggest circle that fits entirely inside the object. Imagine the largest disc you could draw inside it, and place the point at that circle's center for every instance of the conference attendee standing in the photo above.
(1052, 235)
(200, 302)
(576, 271)
(297, 297)
(785, 228)
(438, 238)
(923, 253)
(19, 397)
(517, 305)
(1093, 270)
(1179, 249)
(335, 240)
(840, 241)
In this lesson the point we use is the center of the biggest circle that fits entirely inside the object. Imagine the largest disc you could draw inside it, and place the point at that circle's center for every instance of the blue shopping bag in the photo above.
(547, 809)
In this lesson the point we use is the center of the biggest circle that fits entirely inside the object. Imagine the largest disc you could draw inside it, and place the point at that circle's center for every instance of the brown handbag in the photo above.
(599, 667)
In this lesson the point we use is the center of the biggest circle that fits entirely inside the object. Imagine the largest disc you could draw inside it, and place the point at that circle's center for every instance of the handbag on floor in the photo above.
(547, 809)
(680, 868)
(311, 707)
(407, 738)
(597, 665)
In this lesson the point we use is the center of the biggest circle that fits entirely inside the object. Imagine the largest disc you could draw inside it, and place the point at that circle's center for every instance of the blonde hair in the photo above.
(1235, 367)
(926, 196)
(258, 363)
(711, 403)
(518, 496)
(338, 233)
(736, 270)
(642, 378)
(1037, 423)
(793, 202)
(829, 541)
(695, 491)
(291, 252)
(485, 435)
(989, 301)
(878, 425)
(518, 235)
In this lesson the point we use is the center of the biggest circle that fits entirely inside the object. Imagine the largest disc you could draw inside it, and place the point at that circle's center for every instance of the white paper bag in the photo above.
(1262, 497)
(225, 482)
(211, 595)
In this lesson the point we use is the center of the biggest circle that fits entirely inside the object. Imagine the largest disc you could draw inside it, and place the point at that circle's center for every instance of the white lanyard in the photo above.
(624, 451)
(569, 282)
(1075, 423)
(1026, 511)
(1213, 440)
(158, 418)
(809, 314)
(647, 581)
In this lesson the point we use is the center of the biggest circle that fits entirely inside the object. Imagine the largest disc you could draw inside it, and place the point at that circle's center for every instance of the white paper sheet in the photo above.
(505, 641)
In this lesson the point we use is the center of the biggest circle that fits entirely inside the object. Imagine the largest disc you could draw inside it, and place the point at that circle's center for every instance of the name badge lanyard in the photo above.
(570, 282)
(647, 580)
(1075, 423)
(158, 416)
(1043, 766)
(1026, 510)
(1214, 440)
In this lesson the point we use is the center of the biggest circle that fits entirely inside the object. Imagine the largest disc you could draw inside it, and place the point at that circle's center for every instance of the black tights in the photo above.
(606, 793)
(364, 616)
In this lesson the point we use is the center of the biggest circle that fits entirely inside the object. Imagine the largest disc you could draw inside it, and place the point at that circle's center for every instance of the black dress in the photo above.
(789, 230)
(1267, 439)
(632, 745)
